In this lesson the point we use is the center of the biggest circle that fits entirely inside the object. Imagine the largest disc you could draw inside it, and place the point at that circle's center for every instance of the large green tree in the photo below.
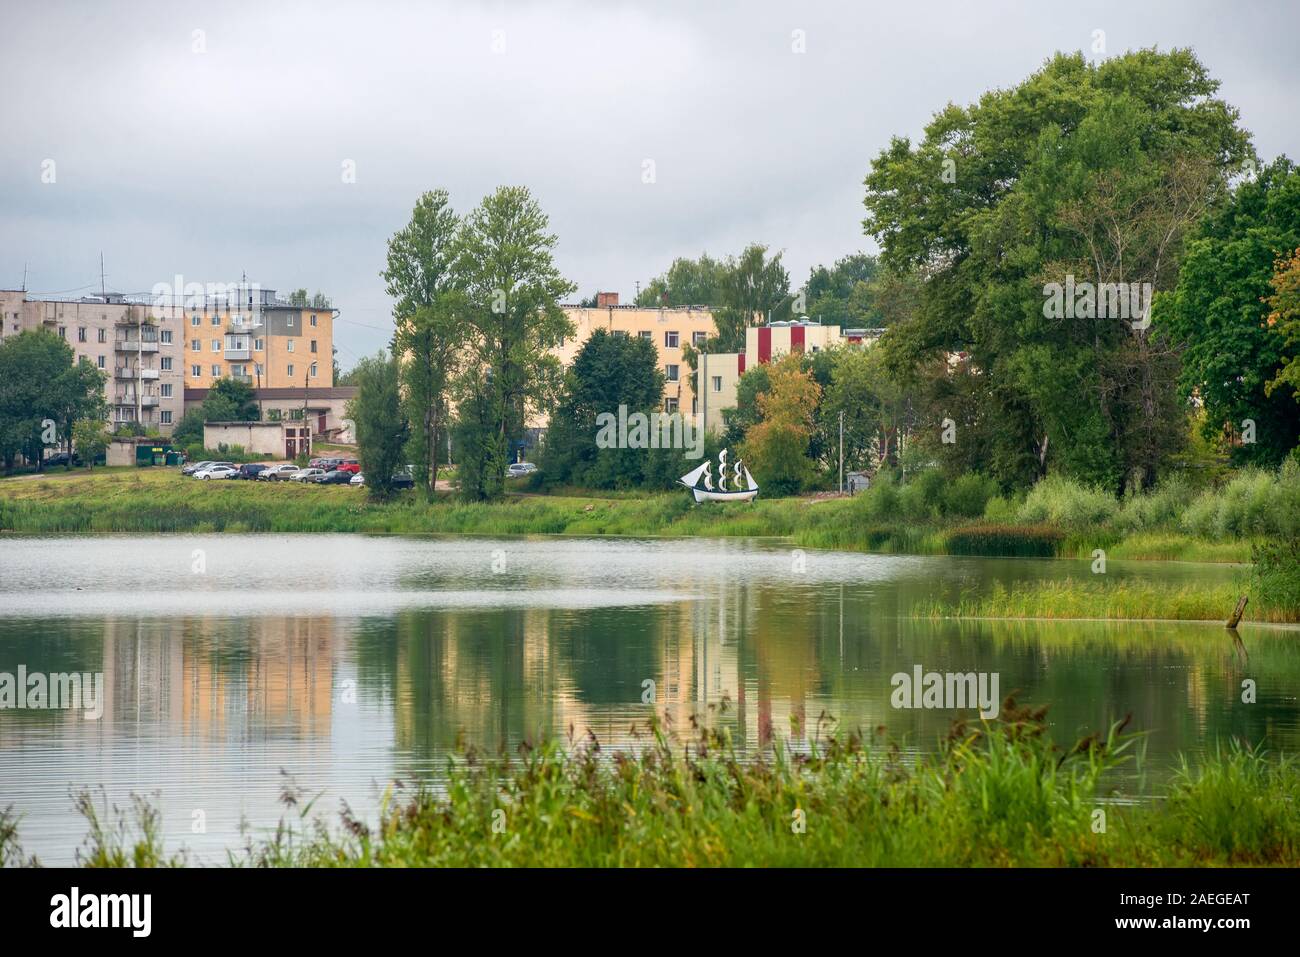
(43, 392)
(843, 294)
(506, 269)
(1084, 172)
(379, 422)
(429, 320)
(230, 400)
(688, 282)
(609, 371)
(1218, 314)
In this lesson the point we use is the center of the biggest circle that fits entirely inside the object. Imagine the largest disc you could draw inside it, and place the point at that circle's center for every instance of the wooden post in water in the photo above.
(1238, 611)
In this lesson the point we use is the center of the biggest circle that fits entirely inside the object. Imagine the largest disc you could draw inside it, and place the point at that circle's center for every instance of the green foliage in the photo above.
(380, 423)
(843, 294)
(1025, 188)
(1018, 541)
(230, 400)
(90, 438)
(1068, 504)
(40, 382)
(504, 265)
(688, 282)
(1217, 314)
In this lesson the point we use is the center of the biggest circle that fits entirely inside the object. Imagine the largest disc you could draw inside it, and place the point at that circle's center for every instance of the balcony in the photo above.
(149, 401)
(136, 345)
(127, 372)
(246, 379)
(238, 354)
(128, 399)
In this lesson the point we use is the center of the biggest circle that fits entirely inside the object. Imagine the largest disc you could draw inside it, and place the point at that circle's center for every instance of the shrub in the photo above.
(1161, 507)
(1067, 503)
(968, 495)
(1021, 541)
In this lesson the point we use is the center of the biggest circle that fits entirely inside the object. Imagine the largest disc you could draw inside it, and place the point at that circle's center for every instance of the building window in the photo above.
(216, 371)
(194, 320)
(699, 338)
(289, 321)
(103, 336)
(196, 372)
(645, 334)
(289, 345)
(313, 319)
(216, 345)
(313, 345)
(216, 320)
(291, 370)
(257, 345)
(166, 390)
(257, 369)
(165, 337)
(670, 405)
(166, 363)
(81, 333)
(313, 370)
(671, 371)
(671, 340)
(63, 333)
(100, 361)
(165, 417)
(717, 383)
(195, 345)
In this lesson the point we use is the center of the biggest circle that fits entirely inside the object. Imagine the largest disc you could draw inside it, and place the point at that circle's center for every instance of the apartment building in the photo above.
(721, 372)
(250, 335)
(137, 345)
(669, 330)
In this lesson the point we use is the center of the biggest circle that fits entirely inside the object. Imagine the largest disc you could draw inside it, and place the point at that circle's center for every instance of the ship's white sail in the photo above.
(722, 471)
(750, 484)
(708, 477)
(693, 476)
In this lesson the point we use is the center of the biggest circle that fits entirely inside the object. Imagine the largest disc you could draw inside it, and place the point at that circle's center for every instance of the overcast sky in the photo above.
(210, 154)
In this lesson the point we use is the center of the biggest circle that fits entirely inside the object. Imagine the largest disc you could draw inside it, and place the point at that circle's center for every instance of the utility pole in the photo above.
(841, 451)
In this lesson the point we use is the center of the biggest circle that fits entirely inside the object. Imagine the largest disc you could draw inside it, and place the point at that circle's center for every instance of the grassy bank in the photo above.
(995, 795)
(1118, 600)
(161, 501)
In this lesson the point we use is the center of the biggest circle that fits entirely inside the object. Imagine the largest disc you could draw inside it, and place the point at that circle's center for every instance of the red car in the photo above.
(349, 465)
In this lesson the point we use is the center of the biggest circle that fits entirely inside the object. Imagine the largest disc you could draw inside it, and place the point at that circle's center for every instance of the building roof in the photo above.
(294, 392)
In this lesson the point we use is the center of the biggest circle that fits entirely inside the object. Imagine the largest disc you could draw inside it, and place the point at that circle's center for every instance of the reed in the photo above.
(994, 794)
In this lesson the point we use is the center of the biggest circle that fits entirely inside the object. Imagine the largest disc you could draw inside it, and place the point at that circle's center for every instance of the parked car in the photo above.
(403, 480)
(326, 463)
(350, 465)
(221, 471)
(250, 470)
(333, 477)
(302, 475)
(196, 466)
(62, 458)
(358, 479)
(277, 473)
(518, 469)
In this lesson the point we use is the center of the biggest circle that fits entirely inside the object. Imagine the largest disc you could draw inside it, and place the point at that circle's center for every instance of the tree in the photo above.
(420, 254)
(688, 282)
(608, 372)
(380, 425)
(505, 266)
(1219, 314)
(317, 300)
(752, 287)
(776, 448)
(875, 408)
(90, 438)
(430, 325)
(42, 393)
(230, 400)
(844, 294)
(1284, 315)
(1085, 171)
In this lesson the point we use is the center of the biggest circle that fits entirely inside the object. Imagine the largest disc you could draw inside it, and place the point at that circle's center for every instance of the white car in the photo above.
(216, 472)
(358, 479)
(277, 472)
(519, 469)
(303, 475)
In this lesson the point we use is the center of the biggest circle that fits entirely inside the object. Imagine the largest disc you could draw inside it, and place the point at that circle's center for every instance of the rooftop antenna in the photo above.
(24, 277)
(103, 292)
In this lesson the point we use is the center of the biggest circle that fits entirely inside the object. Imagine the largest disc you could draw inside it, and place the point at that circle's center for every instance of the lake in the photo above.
(235, 664)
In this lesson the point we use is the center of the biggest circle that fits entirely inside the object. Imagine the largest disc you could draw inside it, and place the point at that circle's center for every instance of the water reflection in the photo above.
(212, 691)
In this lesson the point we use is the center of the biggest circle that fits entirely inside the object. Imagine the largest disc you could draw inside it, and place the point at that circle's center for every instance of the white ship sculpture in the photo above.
(745, 490)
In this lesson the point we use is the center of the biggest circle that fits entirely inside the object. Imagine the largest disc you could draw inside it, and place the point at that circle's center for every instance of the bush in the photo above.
(969, 495)
(1067, 503)
(1160, 508)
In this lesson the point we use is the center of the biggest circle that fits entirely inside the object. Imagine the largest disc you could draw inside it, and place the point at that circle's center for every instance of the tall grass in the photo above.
(996, 794)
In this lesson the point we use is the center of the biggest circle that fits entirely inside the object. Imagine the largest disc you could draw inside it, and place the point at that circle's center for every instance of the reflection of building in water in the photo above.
(201, 675)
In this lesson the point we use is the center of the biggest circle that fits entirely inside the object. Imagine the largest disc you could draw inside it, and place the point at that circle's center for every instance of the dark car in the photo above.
(62, 458)
(335, 477)
(250, 470)
(403, 480)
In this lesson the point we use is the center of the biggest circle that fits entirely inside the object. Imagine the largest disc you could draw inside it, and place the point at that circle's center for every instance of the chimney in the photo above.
(604, 299)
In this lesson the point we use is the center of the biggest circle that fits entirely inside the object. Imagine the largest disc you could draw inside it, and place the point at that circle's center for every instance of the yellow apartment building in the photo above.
(252, 336)
(669, 329)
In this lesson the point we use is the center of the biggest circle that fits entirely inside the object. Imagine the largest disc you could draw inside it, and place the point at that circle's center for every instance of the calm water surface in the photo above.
(345, 662)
